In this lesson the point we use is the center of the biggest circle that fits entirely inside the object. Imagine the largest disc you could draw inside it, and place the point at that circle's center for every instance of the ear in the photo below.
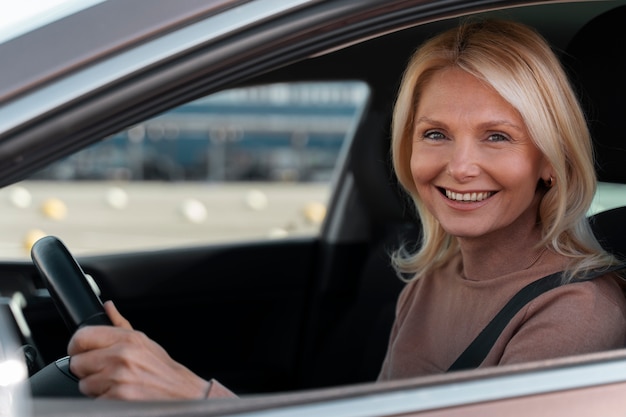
(548, 174)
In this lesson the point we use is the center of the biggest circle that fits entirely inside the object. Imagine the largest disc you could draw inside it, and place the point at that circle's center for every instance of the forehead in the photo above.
(453, 90)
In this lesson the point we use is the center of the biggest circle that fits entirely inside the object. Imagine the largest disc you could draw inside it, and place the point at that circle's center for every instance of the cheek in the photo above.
(424, 167)
(517, 175)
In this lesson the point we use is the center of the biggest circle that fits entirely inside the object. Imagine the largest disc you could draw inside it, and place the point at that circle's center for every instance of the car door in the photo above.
(203, 225)
(246, 311)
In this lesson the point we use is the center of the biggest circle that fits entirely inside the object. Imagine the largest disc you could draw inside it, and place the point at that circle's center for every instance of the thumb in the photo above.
(115, 316)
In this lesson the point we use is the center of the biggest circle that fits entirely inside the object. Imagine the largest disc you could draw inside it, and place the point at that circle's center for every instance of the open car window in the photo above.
(245, 164)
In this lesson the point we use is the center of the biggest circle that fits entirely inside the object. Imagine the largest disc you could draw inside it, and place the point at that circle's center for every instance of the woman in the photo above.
(489, 140)
(491, 144)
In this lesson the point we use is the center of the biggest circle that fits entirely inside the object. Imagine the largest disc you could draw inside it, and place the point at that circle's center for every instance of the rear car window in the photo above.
(608, 196)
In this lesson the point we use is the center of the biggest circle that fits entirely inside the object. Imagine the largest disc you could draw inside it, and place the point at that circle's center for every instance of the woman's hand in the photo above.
(121, 363)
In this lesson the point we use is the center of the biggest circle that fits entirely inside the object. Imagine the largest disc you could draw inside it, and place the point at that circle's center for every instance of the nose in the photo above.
(464, 160)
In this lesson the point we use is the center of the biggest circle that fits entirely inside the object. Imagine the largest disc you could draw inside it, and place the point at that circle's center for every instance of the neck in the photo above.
(511, 249)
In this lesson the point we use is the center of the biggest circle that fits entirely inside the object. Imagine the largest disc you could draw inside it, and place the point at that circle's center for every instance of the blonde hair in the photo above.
(520, 65)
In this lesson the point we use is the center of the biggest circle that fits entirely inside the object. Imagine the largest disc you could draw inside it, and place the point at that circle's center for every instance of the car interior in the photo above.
(600, 90)
(304, 313)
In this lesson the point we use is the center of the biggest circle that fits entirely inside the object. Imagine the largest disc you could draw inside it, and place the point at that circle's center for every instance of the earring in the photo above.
(549, 182)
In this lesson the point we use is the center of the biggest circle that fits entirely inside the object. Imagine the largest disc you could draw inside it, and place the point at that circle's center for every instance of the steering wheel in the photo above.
(77, 304)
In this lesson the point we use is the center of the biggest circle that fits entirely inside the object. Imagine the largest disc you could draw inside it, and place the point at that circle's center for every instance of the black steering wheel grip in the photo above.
(77, 304)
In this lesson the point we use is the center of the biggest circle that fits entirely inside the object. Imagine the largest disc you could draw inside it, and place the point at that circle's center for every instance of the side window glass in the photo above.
(244, 164)
(608, 196)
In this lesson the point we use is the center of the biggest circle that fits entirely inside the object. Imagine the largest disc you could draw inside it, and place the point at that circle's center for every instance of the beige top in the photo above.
(438, 316)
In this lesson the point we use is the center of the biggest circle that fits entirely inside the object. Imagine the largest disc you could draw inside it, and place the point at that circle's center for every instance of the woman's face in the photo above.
(473, 162)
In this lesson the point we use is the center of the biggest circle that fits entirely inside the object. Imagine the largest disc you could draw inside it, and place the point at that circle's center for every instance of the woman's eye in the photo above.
(497, 137)
(434, 135)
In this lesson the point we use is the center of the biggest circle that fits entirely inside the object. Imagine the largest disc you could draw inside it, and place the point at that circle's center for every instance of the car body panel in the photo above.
(563, 387)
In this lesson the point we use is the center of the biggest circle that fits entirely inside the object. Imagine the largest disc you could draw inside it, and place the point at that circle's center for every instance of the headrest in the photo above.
(595, 56)
(609, 228)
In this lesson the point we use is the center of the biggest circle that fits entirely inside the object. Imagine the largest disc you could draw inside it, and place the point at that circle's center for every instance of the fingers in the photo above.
(115, 316)
(91, 347)
(93, 386)
(95, 338)
(98, 386)
(111, 381)
(84, 364)
(115, 362)
(98, 337)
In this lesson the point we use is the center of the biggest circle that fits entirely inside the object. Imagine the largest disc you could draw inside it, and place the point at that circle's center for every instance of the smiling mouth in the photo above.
(467, 197)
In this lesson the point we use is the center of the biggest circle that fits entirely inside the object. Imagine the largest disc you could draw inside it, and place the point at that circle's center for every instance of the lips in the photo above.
(468, 197)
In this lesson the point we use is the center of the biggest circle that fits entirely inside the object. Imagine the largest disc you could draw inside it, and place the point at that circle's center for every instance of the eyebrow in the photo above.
(502, 122)
(485, 125)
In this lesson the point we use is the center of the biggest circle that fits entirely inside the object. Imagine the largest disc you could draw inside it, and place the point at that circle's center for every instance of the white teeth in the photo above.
(468, 196)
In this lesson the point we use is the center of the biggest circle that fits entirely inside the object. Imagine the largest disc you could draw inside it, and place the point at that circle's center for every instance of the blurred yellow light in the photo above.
(31, 237)
(54, 208)
(315, 212)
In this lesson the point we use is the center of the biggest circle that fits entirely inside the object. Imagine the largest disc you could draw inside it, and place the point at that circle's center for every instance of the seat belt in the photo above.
(477, 351)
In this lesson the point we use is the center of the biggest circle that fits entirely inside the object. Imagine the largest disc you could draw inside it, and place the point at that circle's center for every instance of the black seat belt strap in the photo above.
(477, 351)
